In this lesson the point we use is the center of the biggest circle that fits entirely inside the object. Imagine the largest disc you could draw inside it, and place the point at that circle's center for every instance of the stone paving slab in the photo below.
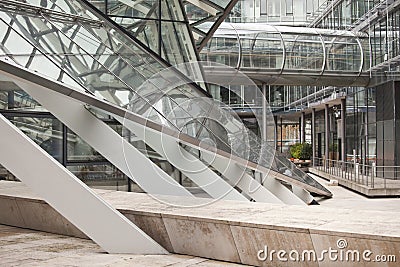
(33, 248)
(227, 230)
(391, 188)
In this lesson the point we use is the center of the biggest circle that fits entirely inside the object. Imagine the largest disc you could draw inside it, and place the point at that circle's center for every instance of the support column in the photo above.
(281, 135)
(264, 112)
(57, 142)
(10, 99)
(327, 132)
(343, 128)
(302, 128)
(276, 133)
(64, 145)
(313, 135)
(299, 132)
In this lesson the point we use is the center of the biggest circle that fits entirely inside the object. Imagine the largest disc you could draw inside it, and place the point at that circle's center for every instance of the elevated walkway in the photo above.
(291, 55)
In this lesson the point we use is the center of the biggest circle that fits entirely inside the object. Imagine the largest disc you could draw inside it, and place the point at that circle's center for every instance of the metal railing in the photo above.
(371, 176)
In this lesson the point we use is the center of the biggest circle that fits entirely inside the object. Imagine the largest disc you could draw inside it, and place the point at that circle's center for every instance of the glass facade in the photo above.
(89, 55)
(86, 51)
(374, 49)
(61, 143)
(346, 13)
(159, 24)
(361, 125)
(385, 39)
(207, 12)
(289, 12)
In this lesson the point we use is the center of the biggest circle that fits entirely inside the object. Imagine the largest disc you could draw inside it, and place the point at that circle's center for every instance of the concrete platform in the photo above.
(378, 191)
(228, 230)
(344, 198)
(23, 247)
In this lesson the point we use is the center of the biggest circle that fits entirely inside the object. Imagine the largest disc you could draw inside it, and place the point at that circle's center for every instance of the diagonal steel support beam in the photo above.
(237, 175)
(215, 26)
(69, 196)
(272, 191)
(191, 166)
(281, 191)
(118, 151)
(34, 79)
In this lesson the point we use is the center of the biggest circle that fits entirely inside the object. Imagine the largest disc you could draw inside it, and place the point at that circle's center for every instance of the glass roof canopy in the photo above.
(87, 51)
(284, 49)
(206, 12)
(171, 28)
(68, 42)
(159, 24)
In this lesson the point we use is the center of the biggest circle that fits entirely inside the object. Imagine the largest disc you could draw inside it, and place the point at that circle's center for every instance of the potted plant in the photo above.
(295, 151)
(301, 152)
(306, 152)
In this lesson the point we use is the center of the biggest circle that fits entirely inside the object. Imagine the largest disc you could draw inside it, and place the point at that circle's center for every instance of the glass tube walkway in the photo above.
(292, 55)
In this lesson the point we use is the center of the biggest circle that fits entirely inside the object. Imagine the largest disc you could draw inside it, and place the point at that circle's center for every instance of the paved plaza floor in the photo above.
(346, 199)
(23, 247)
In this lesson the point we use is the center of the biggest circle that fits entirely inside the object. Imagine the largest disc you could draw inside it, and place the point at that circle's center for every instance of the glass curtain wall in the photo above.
(346, 13)
(383, 33)
(361, 125)
(296, 98)
(159, 24)
(60, 142)
(385, 38)
(293, 12)
(287, 134)
(77, 50)
(320, 131)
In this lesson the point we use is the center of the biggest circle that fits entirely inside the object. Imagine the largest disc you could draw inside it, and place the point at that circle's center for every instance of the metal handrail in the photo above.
(369, 175)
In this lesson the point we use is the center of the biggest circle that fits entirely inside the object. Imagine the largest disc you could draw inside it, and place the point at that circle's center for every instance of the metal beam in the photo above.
(215, 26)
(90, 100)
(70, 196)
(238, 176)
(118, 151)
(188, 164)
(327, 133)
(280, 191)
(209, 9)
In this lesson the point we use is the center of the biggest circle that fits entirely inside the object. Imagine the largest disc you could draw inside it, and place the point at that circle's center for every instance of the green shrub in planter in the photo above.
(295, 150)
(301, 151)
(306, 152)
